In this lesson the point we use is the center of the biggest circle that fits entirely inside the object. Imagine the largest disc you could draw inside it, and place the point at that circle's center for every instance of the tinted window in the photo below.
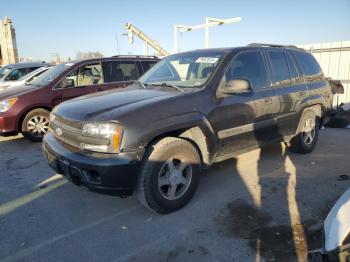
(292, 68)
(147, 65)
(308, 64)
(129, 70)
(279, 67)
(17, 74)
(30, 69)
(248, 65)
(117, 71)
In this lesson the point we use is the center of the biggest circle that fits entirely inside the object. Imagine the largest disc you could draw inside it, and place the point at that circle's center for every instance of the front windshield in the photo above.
(45, 78)
(186, 70)
(4, 71)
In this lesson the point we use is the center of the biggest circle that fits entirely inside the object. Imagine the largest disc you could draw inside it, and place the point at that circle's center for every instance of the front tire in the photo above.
(308, 130)
(169, 175)
(35, 124)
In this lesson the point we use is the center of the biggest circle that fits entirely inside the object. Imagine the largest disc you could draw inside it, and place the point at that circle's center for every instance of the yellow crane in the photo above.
(133, 30)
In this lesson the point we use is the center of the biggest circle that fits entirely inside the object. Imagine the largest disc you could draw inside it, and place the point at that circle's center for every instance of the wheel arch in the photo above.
(198, 132)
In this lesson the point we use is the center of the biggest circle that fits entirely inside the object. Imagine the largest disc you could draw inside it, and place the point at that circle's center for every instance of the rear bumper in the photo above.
(103, 173)
(8, 124)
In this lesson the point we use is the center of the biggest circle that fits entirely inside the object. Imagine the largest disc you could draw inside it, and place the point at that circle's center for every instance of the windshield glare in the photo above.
(4, 71)
(183, 70)
(45, 78)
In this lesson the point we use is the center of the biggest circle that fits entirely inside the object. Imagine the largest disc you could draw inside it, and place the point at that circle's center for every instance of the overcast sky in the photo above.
(45, 27)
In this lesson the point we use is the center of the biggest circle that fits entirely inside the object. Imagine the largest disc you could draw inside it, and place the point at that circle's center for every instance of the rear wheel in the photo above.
(305, 141)
(169, 176)
(35, 124)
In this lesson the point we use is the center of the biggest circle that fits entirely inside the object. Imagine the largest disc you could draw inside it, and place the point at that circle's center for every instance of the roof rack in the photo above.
(273, 45)
(136, 56)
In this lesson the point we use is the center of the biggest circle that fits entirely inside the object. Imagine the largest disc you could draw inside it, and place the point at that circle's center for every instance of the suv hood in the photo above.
(17, 91)
(104, 106)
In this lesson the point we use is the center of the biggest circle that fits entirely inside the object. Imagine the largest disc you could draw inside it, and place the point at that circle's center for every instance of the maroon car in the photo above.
(26, 109)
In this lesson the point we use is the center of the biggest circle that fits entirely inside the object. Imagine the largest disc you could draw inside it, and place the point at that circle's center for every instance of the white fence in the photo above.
(334, 59)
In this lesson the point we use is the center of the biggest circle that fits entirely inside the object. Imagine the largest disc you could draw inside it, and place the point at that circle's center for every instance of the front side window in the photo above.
(85, 75)
(280, 69)
(250, 66)
(186, 70)
(17, 74)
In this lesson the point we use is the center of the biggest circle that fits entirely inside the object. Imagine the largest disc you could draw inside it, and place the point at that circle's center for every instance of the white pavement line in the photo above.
(30, 250)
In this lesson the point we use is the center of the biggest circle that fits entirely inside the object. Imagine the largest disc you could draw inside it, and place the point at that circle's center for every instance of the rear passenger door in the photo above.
(289, 89)
(245, 120)
(119, 74)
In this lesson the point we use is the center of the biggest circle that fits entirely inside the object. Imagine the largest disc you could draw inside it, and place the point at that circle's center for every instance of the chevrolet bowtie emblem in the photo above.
(58, 131)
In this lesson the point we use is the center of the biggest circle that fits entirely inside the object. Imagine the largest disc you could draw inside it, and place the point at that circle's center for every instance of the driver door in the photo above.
(85, 79)
(245, 120)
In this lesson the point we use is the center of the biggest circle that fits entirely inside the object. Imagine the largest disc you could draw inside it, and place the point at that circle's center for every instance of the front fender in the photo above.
(142, 136)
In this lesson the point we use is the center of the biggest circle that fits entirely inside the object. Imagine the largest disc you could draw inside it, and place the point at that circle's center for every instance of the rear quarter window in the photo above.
(308, 64)
(147, 65)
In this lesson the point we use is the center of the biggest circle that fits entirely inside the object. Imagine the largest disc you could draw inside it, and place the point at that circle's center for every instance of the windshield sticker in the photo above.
(208, 60)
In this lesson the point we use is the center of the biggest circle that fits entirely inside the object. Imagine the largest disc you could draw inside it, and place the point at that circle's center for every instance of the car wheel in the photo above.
(305, 141)
(169, 175)
(35, 124)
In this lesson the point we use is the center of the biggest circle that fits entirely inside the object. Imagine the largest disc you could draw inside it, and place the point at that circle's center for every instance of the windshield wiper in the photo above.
(144, 85)
(168, 85)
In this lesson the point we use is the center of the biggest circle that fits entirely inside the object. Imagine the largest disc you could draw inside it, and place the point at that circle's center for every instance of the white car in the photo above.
(27, 78)
(336, 234)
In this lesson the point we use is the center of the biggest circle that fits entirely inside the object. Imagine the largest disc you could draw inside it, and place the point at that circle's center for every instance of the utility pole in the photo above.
(209, 22)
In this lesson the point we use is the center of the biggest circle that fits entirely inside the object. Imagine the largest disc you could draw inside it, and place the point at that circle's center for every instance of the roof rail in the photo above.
(273, 45)
(136, 56)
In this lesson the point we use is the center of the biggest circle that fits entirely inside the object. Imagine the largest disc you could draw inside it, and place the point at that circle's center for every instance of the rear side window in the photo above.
(248, 65)
(147, 65)
(308, 64)
(280, 69)
(118, 71)
(292, 68)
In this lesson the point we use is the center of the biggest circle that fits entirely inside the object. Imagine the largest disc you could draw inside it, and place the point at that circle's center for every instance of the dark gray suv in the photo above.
(187, 112)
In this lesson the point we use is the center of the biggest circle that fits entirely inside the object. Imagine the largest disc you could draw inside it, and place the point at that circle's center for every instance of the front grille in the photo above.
(70, 132)
(66, 131)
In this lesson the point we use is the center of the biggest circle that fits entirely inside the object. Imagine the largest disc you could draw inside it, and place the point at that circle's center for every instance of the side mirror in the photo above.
(67, 82)
(237, 86)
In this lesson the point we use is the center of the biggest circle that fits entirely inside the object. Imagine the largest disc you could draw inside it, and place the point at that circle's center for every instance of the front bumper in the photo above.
(8, 124)
(103, 173)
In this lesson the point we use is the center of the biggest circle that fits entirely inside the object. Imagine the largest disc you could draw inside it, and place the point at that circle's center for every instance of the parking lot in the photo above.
(267, 203)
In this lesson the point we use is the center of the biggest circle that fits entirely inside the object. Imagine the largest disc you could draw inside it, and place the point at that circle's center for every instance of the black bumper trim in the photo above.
(109, 174)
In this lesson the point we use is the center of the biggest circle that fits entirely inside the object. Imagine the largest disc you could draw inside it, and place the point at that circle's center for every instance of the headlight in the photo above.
(7, 104)
(105, 137)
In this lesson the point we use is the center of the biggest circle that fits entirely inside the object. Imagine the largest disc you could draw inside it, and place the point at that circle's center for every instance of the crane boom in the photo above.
(135, 31)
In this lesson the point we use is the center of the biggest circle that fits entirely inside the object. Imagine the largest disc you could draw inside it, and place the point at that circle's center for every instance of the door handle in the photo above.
(268, 100)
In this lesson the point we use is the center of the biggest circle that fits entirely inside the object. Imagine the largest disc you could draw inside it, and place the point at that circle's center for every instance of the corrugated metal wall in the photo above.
(334, 59)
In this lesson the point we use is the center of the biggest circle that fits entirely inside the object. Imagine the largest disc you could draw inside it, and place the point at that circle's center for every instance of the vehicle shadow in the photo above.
(261, 198)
